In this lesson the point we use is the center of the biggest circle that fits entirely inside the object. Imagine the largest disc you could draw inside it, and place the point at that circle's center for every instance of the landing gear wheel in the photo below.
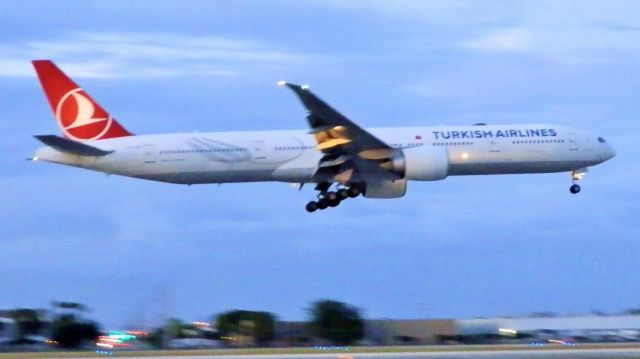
(574, 189)
(311, 206)
(331, 196)
(323, 203)
(354, 192)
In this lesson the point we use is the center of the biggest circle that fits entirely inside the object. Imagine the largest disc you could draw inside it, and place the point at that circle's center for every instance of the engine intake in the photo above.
(422, 164)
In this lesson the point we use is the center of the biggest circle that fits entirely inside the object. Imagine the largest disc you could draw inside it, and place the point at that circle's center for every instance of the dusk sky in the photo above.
(138, 252)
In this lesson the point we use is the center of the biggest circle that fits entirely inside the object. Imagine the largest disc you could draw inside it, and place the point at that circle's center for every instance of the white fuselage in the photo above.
(291, 156)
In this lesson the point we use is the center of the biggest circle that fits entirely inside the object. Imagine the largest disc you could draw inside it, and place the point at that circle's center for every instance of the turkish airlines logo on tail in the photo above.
(80, 118)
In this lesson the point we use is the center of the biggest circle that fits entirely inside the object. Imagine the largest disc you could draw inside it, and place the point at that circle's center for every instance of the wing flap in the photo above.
(330, 143)
(332, 161)
(339, 137)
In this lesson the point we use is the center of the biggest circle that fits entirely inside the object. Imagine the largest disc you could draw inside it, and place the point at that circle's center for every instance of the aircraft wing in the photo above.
(351, 154)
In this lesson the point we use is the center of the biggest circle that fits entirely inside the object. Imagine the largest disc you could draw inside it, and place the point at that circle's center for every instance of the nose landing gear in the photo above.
(574, 188)
(577, 175)
(328, 198)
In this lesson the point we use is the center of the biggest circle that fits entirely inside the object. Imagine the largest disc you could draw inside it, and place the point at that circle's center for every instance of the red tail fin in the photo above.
(80, 118)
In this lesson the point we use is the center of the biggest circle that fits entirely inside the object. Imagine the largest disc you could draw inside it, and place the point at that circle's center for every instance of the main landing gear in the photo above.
(328, 198)
(576, 175)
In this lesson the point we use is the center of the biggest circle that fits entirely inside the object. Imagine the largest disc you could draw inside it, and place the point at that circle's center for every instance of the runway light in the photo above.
(557, 341)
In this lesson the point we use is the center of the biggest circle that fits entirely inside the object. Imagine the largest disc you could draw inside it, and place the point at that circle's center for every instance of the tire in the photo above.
(574, 189)
(323, 203)
(311, 206)
(343, 193)
(354, 192)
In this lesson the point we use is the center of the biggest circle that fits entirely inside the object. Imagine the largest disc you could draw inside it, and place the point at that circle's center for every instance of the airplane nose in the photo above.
(611, 152)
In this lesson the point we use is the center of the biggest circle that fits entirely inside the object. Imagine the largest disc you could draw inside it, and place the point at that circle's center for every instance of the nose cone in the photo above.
(609, 152)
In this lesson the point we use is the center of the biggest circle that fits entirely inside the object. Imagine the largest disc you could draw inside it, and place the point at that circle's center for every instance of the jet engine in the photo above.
(386, 189)
(422, 164)
(416, 164)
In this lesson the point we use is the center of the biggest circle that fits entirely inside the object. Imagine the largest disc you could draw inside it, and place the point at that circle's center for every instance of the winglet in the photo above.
(309, 100)
(294, 87)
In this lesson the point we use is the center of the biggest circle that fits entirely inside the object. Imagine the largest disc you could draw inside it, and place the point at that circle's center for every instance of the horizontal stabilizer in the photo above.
(71, 147)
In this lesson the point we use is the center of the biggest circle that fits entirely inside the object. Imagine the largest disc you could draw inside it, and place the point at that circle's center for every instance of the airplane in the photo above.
(341, 158)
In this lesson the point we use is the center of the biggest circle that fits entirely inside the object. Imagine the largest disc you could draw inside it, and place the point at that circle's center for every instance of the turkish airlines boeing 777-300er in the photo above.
(343, 159)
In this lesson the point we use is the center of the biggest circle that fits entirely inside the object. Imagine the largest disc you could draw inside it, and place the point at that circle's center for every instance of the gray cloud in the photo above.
(126, 55)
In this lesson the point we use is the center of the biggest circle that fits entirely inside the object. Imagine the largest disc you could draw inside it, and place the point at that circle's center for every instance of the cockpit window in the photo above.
(601, 140)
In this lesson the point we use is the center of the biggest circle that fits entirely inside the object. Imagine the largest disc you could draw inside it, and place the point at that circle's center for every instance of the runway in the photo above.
(571, 353)
(588, 351)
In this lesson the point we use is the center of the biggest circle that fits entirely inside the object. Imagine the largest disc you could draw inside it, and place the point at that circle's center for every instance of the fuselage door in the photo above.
(149, 154)
(587, 143)
(259, 151)
(573, 142)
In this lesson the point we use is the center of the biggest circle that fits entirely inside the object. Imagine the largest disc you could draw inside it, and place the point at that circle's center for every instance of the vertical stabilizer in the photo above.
(80, 118)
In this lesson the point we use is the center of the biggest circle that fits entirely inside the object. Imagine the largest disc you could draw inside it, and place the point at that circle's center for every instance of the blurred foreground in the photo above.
(331, 326)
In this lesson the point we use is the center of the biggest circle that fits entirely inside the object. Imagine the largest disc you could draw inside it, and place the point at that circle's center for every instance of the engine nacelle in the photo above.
(386, 189)
(423, 164)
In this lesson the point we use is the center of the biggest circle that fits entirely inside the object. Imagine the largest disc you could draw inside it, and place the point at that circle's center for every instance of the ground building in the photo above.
(576, 328)
(479, 331)
(408, 332)
(376, 332)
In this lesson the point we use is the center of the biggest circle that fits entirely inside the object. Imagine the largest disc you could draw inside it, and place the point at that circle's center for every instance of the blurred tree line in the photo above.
(66, 324)
(256, 328)
(333, 321)
(69, 328)
(28, 322)
(337, 322)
